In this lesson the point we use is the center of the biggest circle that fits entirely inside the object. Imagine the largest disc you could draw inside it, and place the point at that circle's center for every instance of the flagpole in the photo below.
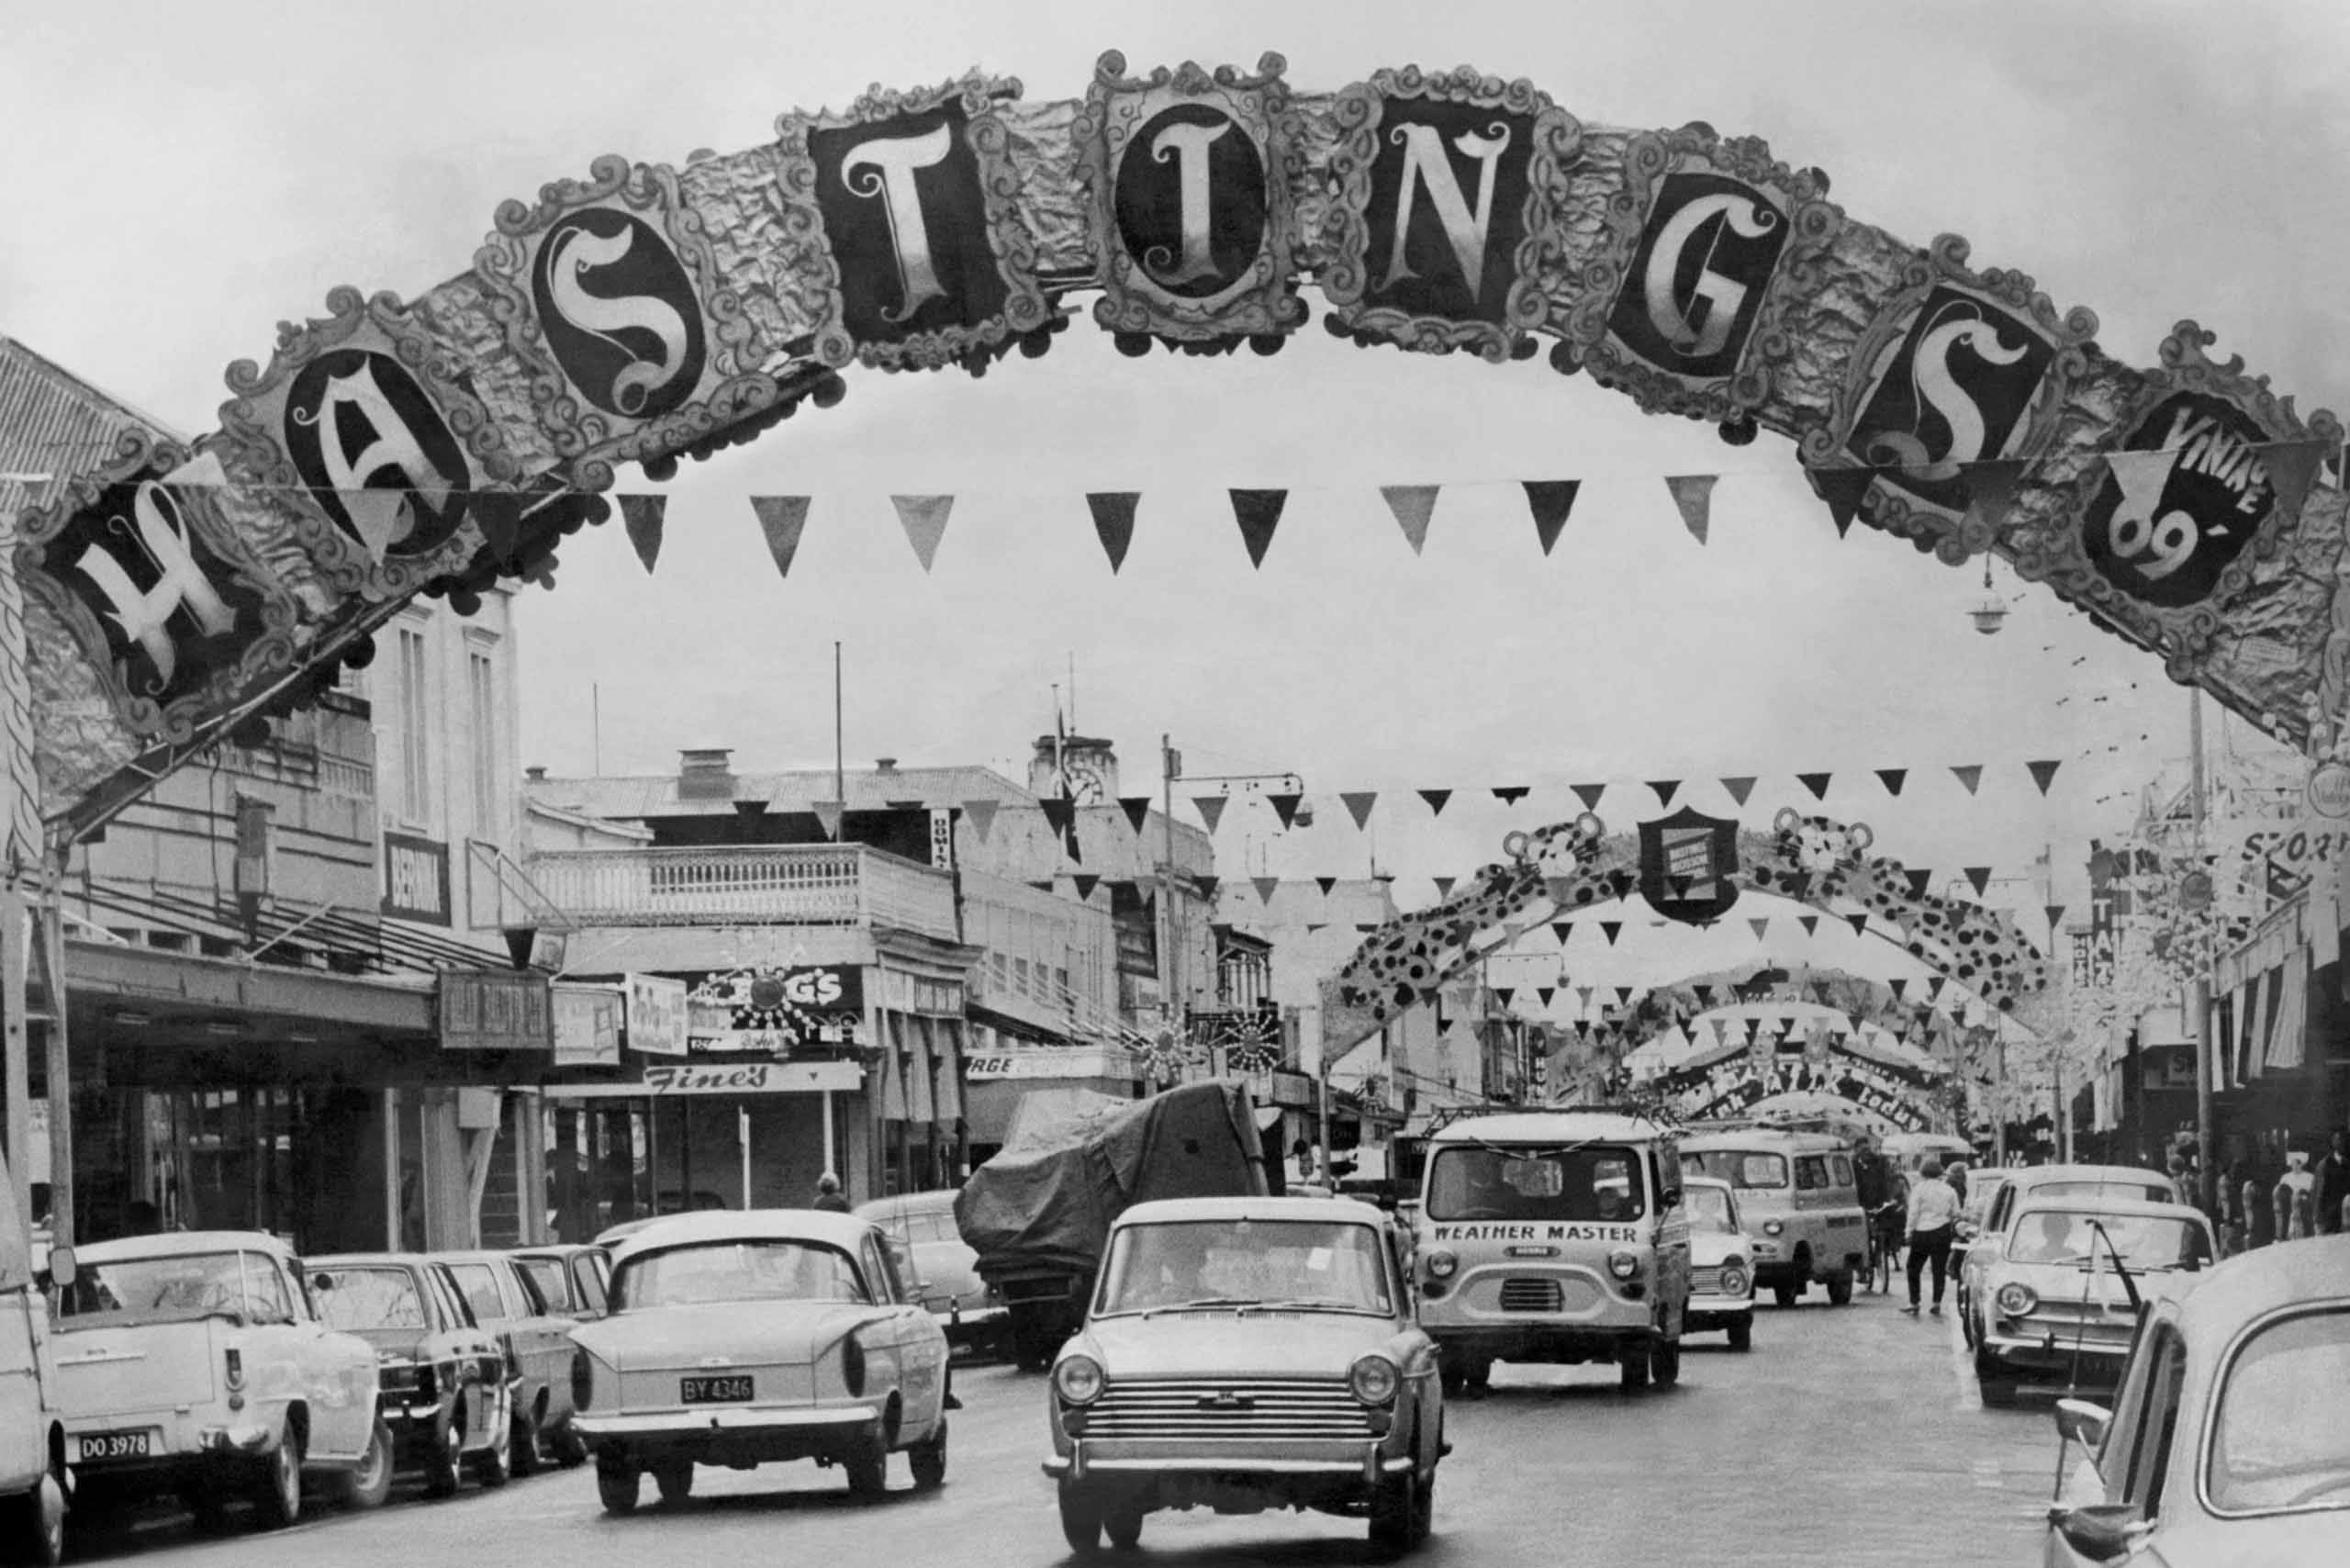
(840, 765)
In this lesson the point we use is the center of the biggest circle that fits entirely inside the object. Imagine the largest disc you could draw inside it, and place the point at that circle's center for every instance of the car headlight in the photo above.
(1078, 1380)
(1774, 1227)
(1374, 1379)
(1623, 1264)
(1733, 1278)
(853, 1366)
(2015, 1299)
(1441, 1265)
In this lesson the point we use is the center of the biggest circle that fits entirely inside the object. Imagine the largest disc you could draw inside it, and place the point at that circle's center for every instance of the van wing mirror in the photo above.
(62, 1269)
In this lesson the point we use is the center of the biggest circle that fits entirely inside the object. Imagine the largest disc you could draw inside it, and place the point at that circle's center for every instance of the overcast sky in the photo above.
(183, 177)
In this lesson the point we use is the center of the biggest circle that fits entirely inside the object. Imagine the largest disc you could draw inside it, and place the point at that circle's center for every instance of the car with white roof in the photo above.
(2062, 1299)
(1721, 1264)
(2018, 1187)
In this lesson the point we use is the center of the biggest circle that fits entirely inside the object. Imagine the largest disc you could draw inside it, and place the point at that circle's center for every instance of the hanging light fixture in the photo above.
(1989, 615)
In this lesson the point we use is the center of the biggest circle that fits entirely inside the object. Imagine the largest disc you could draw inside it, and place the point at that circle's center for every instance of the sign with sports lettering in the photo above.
(1446, 189)
(415, 878)
(912, 195)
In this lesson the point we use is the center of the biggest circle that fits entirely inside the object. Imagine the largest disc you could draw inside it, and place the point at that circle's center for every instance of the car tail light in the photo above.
(853, 1366)
(583, 1380)
(235, 1369)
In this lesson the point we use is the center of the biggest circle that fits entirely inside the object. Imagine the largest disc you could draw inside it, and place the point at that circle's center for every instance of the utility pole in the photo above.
(1170, 959)
(2198, 994)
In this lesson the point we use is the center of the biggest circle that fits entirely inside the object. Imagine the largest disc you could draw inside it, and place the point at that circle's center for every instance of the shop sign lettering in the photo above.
(1537, 1233)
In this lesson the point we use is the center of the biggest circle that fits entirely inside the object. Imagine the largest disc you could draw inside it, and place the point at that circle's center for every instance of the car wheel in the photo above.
(1998, 1385)
(928, 1459)
(1741, 1332)
(1634, 1369)
(494, 1466)
(209, 1507)
(445, 1466)
(1080, 1519)
(869, 1469)
(617, 1486)
(35, 1523)
(676, 1480)
(1664, 1363)
(1839, 1288)
(367, 1486)
(569, 1447)
(277, 1490)
(1122, 1525)
(1786, 1292)
(529, 1456)
(1394, 1504)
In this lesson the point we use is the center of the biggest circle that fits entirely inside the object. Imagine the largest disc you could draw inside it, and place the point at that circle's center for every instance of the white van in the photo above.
(1800, 1204)
(32, 1435)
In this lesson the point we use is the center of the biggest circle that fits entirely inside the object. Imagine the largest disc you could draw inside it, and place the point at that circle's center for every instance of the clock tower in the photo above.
(1090, 766)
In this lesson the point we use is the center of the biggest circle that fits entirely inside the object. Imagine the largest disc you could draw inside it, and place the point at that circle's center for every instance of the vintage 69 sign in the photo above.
(1446, 186)
(361, 416)
(913, 194)
(1683, 314)
(1187, 175)
(609, 291)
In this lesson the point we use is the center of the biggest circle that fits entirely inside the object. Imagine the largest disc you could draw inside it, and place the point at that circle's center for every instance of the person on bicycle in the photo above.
(1875, 1183)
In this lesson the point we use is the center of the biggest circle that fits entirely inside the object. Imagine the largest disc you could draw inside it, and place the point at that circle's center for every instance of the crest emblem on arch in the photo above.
(1688, 861)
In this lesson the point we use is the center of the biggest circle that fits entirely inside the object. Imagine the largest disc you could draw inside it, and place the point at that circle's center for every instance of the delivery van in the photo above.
(32, 1434)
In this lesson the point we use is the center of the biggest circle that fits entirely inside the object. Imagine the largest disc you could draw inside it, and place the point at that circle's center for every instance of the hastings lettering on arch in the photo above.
(361, 423)
(1706, 243)
(1188, 177)
(173, 607)
(1446, 186)
(610, 290)
(915, 196)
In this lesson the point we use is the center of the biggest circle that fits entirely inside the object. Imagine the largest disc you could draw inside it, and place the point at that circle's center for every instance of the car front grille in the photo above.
(1706, 1279)
(1209, 1408)
(1524, 1294)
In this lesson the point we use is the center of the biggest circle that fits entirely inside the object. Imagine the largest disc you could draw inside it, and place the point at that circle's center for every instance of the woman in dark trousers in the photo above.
(1934, 1221)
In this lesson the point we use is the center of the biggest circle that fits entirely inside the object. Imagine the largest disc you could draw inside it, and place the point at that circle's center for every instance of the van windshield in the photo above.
(1587, 1181)
(1742, 1168)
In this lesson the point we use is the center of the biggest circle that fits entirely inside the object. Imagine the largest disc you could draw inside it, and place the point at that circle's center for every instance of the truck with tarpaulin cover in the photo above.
(1039, 1212)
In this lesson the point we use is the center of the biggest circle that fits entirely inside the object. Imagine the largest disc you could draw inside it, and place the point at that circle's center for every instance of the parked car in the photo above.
(750, 1338)
(1796, 1191)
(969, 1309)
(1721, 1265)
(1244, 1354)
(2055, 1304)
(2228, 1439)
(445, 1392)
(575, 1278)
(194, 1364)
(537, 1341)
(2020, 1186)
(32, 1433)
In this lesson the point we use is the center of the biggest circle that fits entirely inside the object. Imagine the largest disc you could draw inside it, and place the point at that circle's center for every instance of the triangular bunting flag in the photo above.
(1207, 885)
(1816, 783)
(1761, 926)
(782, 518)
(828, 813)
(2055, 912)
(1623, 995)
(1085, 882)
(1137, 810)
(1265, 888)
(1612, 928)
(1694, 494)
(1970, 774)
(1359, 804)
(1842, 489)
(1738, 789)
(1211, 809)
(1435, 800)
(1060, 814)
(1919, 880)
(925, 519)
(1546, 992)
(1259, 512)
(642, 515)
(1892, 777)
(1286, 807)
(1721, 1027)
(1753, 1028)
(1325, 884)
(1113, 522)
(1043, 884)
(1589, 795)
(2042, 774)
(1444, 885)
(1980, 876)
(1860, 924)
(1314, 926)
(498, 515)
(1413, 506)
(1704, 994)
(1562, 929)
(2291, 466)
(1664, 788)
(1897, 985)
(1810, 924)
(982, 815)
(1934, 984)
(1509, 794)
(1550, 501)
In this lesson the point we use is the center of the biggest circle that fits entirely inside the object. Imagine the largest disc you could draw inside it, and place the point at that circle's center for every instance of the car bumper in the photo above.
(180, 1450)
(733, 1437)
(1336, 1458)
(2052, 1353)
(1713, 1311)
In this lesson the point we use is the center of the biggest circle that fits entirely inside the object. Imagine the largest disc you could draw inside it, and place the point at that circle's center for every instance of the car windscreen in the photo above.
(1325, 1265)
(2097, 1191)
(359, 1299)
(1575, 1181)
(2280, 1439)
(2143, 1242)
(709, 1272)
(154, 1289)
(1710, 1210)
(1746, 1170)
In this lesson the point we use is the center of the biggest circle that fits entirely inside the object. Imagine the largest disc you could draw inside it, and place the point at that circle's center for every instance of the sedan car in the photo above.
(1721, 1266)
(2228, 1439)
(445, 1394)
(1243, 1354)
(1994, 1197)
(743, 1338)
(537, 1340)
(2062, 1297)
(575, 1277)
(970, 1310)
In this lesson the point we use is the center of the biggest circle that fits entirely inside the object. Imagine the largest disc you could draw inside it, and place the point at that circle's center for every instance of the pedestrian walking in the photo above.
(2295, 1192)
(2333, 1184)
(828, 1195)
(1934, 1220)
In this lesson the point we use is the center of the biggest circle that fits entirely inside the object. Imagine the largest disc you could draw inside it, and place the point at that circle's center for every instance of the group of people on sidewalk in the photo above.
(1920, 1214)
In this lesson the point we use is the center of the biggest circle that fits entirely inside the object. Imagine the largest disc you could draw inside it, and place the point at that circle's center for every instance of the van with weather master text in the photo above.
(1552, 1236)
(33, 1435)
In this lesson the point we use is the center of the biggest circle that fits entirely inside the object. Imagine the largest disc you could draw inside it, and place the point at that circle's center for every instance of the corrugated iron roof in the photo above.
(55, 425)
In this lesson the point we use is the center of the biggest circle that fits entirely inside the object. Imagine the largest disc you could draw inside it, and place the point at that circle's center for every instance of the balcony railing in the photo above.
(779, 884)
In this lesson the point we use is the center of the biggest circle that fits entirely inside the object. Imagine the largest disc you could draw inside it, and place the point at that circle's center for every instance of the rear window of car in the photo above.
(369, 1298)
(480, 1288)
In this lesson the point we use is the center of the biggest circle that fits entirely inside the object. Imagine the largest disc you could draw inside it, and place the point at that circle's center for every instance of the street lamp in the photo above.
(1993, 610)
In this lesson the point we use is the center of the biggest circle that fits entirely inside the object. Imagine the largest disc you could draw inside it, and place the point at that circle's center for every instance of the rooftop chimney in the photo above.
(885, 765)
(535, 775)
(703, 775)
